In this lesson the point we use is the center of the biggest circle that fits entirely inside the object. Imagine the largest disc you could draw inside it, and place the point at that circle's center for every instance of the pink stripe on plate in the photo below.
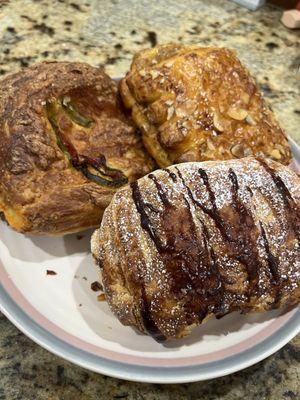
(294, 165)
(61, 334)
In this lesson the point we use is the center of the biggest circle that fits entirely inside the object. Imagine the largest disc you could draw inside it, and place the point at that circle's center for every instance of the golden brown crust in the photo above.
(197, 104)
(201, 239)
(48, 112)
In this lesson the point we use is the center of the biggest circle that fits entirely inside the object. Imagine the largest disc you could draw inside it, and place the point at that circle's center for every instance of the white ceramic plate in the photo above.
(61, 313)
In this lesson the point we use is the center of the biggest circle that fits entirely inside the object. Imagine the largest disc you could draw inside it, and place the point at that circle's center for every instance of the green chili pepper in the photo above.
(51, 111)
(74, 114)
(94, 169)
(96, 177)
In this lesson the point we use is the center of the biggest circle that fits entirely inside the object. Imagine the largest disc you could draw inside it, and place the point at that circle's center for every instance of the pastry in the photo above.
(66, 146)
(197, 240)
(198, 104)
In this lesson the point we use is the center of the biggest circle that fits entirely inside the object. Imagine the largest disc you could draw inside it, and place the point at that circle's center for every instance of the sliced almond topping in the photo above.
(221, 150)
(143, 72)
(250, 120)
(190, 105)
(275, 154)
(245, 97)
(237, 113)
(217, 123)
(154, 74)
(237, 150)
(200, 140)
(170, 113)
(280, 148)
(180, 112)
(210, 145)
(247, 152)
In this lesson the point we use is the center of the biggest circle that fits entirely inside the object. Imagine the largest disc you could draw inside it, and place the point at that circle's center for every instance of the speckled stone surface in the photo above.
(107, 33)
(28, 372)
(103, 32)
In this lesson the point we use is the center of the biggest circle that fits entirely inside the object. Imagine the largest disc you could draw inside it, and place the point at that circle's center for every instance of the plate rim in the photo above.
(150, 374)
(146, 374)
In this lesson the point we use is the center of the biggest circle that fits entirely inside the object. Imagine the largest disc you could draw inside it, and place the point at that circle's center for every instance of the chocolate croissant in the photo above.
(198, 240)
(198, 104)
(66, 146)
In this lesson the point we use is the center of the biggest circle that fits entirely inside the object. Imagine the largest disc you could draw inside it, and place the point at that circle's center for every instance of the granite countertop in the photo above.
(107, 33)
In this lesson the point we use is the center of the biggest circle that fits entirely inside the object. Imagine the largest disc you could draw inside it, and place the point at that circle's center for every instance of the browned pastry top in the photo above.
(201, 239)
(65, 147)
(197, 104)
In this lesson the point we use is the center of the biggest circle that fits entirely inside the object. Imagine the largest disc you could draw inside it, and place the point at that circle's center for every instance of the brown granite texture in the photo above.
(107, 33)
(28, 372)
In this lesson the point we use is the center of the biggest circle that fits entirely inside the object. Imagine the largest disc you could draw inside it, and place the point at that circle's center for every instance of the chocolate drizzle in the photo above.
(245, 239)
(151, 207)
(145, 220)
(214, 289)
(249, 190)
(213, 264)
(235, 185)
(197, 270)
(213, 211)
(291, 208)
(272, 262)
(191, 263)
(148, 322)
(241, 243)
(160, 191)
(171, 174)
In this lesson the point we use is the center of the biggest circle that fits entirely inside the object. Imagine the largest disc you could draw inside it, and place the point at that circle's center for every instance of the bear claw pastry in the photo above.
(198, 104)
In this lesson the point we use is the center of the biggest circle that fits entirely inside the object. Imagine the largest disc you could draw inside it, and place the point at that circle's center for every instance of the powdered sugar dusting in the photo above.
(201, 265)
